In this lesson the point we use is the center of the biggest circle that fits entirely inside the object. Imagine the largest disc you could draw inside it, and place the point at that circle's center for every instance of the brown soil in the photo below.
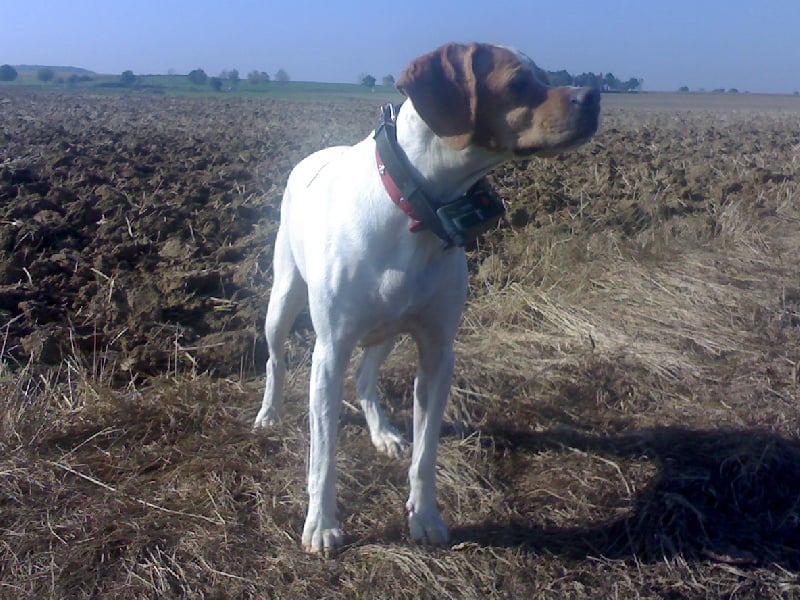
(624, 416)
(141, 230)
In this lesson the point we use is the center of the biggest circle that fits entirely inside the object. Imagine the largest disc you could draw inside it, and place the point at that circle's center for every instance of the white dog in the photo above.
(364, 242)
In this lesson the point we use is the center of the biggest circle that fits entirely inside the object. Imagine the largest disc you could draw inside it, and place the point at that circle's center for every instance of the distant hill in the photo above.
(59, 70)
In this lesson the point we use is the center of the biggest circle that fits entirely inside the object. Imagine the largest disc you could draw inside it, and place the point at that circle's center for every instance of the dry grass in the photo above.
(623, 424)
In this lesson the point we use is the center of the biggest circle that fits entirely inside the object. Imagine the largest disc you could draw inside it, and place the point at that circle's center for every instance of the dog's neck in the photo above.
(441, 172)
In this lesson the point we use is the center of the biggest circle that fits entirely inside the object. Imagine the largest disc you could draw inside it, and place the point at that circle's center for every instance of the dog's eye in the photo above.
(519, 85)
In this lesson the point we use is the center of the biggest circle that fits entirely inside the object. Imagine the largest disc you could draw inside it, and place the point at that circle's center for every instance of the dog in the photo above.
(371, 266)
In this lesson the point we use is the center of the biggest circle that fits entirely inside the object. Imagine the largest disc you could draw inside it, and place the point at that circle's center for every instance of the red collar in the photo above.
(396, 195)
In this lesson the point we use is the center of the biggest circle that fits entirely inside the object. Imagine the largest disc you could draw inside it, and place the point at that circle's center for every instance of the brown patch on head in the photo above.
(509, 91)
(441, 85)
(492, 97)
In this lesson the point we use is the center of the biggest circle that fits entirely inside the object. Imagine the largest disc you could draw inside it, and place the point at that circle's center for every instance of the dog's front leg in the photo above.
(431, 388)
(321, 533)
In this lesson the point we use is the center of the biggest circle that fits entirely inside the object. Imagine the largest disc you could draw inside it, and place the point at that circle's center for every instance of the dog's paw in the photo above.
(388, 441)
(319, 539)
(427, 527)
(266, 418)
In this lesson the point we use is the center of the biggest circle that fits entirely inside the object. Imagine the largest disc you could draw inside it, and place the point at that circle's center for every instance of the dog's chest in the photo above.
(404, 300)
(404, 292)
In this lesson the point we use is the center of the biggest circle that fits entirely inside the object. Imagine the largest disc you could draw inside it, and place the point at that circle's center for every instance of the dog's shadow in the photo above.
(726, 495)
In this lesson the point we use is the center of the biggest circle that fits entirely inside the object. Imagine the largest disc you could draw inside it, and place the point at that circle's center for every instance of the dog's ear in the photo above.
(443, 88)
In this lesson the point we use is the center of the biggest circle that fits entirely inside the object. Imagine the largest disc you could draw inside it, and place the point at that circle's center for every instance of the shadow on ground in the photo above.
(723, 495)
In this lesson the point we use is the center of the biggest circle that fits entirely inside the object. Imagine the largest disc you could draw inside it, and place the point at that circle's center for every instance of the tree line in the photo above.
(606, 82)
(45, 74)
(227, 80)
(231, 79)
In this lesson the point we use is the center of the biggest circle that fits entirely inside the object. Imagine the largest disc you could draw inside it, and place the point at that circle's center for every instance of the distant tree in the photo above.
(733, 91)
(388, 80)
(607, 82)
(368, 81)
(127, 78)
(683, 89)
(215, 83)
(559, 78)
(7, 73)
(231, 76)
(718, 91)
(258, 77)
(282, 76)
(797, 93)
(45, 74)
(198, 77)
(589, 80)
(633, 84)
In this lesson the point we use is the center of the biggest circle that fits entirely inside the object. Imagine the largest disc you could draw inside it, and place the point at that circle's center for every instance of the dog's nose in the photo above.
(587, 98)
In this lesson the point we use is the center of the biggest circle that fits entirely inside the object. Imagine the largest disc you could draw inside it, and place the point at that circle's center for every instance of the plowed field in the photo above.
(624, 419)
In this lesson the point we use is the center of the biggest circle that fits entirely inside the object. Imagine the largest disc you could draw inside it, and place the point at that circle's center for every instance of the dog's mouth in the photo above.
(587, 127)
(551, 151)
(526, 152)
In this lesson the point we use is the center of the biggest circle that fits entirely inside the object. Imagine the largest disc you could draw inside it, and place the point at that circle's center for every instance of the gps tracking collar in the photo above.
(456, 223)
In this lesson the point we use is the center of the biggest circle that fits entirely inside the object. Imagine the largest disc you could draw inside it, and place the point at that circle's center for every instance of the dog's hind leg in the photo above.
(287, 300)
(384, 437)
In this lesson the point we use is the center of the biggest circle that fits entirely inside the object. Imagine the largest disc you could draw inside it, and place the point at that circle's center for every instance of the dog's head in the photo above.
(498, 99)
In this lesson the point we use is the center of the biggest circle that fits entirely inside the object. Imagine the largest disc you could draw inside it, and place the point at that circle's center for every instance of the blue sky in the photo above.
(748, 45)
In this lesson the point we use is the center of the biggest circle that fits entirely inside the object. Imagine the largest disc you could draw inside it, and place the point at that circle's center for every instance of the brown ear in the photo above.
(443, 89)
